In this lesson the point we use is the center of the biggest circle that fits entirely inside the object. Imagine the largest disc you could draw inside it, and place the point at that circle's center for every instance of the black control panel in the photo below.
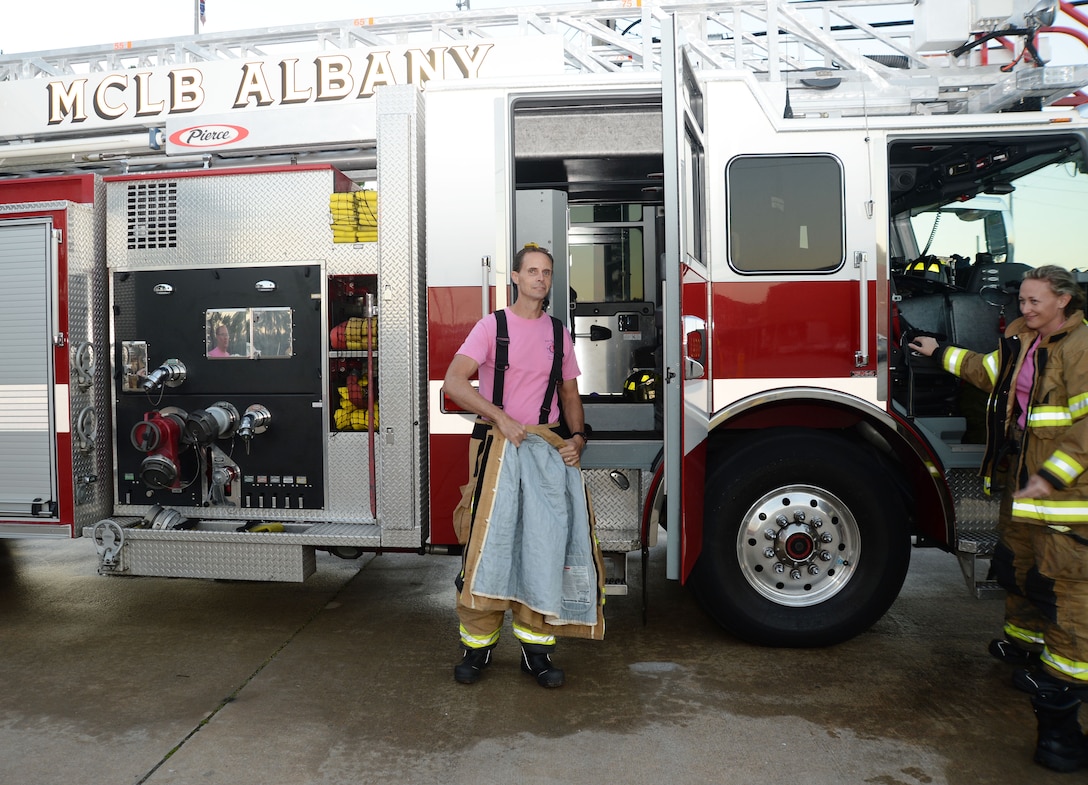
(219, 387)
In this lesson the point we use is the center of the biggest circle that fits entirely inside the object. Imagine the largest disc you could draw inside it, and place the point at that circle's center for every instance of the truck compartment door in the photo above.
(28, 478)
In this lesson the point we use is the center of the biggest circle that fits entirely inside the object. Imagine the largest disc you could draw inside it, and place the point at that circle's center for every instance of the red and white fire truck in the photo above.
(237, 266)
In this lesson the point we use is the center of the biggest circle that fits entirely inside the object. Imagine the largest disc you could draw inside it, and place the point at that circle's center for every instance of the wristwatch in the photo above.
(582, 434)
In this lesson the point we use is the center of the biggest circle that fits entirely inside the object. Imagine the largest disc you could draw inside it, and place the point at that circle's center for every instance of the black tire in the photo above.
(839, 534)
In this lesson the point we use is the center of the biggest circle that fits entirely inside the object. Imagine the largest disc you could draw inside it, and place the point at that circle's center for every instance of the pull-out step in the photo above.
(217, 549)
(615, 581)
(974, 549)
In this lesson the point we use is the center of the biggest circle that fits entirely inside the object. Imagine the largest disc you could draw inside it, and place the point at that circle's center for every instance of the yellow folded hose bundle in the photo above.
(351, 234)
(342, 207)
(366, 203)
(354, 217)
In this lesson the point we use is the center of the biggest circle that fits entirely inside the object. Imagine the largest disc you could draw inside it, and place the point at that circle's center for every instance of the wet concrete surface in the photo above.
(347, 678)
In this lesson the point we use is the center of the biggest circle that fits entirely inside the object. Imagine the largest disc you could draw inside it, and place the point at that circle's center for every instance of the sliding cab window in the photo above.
(785, 213)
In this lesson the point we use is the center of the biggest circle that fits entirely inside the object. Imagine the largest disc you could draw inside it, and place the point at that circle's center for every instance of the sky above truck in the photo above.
(63, 24)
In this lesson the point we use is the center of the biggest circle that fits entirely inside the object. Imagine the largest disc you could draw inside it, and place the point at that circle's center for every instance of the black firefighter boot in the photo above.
(1061, 744)
(472, 664)
(536, 660)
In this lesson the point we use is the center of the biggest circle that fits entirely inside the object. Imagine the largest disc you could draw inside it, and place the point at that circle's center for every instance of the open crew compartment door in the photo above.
(28, 475)
(685, 298)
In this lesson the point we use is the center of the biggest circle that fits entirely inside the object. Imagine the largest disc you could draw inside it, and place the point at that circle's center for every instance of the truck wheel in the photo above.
(804, 541)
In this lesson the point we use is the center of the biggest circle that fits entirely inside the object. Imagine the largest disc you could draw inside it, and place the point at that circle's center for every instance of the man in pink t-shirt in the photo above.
(222, 341)
(526, 381)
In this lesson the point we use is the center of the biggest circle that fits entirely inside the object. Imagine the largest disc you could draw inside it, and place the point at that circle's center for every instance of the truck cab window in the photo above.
(785, 213)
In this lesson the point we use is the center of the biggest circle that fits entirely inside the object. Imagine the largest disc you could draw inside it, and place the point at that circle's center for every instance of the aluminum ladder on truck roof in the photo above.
(842, 57)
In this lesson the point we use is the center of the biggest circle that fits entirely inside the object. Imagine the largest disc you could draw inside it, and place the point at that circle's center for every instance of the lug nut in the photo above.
(826, 556)
(779, 567)
(825, 537)
(771, 534)
(781, 520)
(799, 516)
(813, 569)
(795, 574)
(768, 552)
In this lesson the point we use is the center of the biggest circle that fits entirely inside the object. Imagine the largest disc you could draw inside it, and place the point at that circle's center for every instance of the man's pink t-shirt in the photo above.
(531, 345)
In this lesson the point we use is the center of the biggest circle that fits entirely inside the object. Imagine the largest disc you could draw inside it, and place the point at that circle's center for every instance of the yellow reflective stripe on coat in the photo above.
(1049, 416)
(1062, 465)
(479, 641)
(953, 359)
(990, 363)
(1050, 511)
(1073, 668)
(1078, 406)
(525, 635)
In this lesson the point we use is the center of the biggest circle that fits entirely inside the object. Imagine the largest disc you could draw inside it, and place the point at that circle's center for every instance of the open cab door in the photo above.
(686, 295)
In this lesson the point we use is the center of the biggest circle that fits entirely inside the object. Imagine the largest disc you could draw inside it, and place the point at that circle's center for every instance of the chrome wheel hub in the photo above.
(798, 545)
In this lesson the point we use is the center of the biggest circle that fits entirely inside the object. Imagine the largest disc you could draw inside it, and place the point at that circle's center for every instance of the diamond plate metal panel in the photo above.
(618, 511)
(199, 559)
(223, 531)
(25, 207)
(88, 338)
(975, 511)
(402, 370)
(229, 219)
(225, 553)
(353, 259)
(976, 527)
(349, 486)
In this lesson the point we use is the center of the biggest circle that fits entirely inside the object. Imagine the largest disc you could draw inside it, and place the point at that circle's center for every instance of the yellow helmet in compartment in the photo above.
(642, 385)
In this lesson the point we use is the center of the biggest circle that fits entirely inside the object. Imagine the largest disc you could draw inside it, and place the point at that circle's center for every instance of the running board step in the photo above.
(971, 547)
(615, 573)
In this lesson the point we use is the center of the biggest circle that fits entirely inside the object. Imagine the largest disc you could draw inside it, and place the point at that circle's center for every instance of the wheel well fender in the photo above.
(903, 454)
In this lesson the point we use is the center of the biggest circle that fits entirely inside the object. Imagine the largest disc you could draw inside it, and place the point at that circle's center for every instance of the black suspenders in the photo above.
(557, 371)
(502, 362)
(502, 356)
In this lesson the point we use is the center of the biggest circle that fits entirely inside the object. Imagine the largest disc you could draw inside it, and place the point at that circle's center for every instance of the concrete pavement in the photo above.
(347, 679)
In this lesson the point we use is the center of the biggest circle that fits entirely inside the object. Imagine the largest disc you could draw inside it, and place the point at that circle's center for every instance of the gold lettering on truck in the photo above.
(333, 77)
(65, 101)
(144, 106)
(424, 66)
(469, 64)
(102, 107)
(378, 72)
(289, 84)
(186, 92)
(253, 85)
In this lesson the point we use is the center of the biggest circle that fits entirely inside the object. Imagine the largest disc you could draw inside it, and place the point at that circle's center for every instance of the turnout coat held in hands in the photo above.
(527, 525)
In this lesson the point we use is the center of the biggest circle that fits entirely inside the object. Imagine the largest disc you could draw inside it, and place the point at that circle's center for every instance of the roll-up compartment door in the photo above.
(27, 460)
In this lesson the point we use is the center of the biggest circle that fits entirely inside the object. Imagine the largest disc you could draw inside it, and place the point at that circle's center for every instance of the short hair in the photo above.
(528, 249)
(1061, 282)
